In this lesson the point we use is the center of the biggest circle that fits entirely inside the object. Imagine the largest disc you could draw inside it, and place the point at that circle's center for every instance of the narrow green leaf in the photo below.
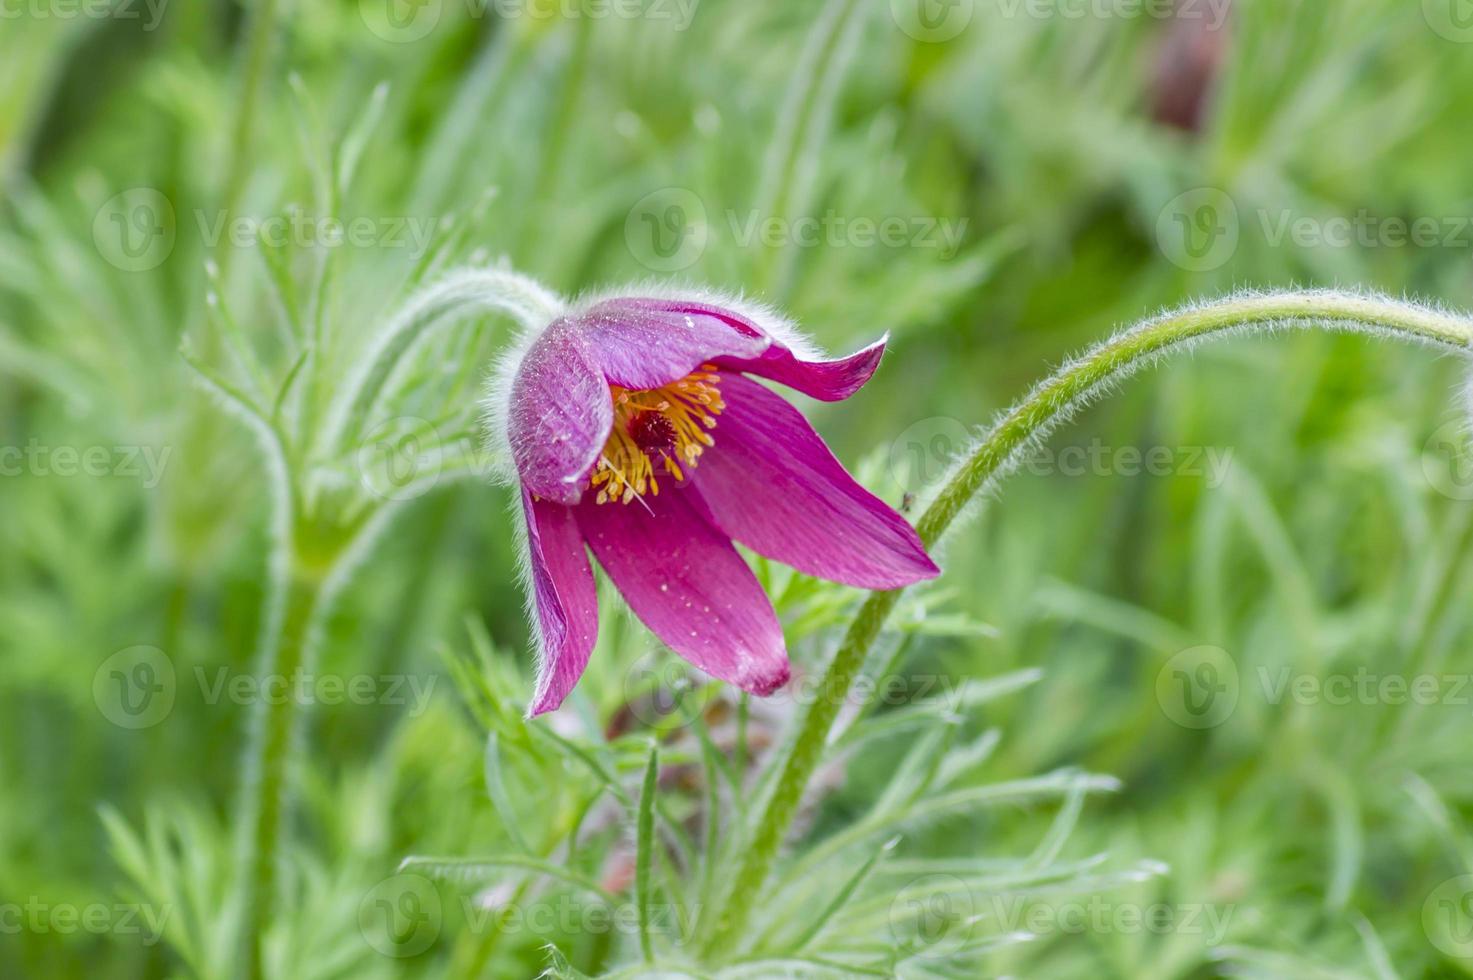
(288, 383)
(488, 869)
(350, 151)
(496, 790)
(644, 859)
(842, 896)
(558, 967)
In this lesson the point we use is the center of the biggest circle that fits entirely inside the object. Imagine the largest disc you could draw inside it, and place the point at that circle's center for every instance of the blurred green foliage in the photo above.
(589, 151)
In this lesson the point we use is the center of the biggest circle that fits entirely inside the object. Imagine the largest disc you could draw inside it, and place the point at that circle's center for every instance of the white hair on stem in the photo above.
(458, 294)
(1091, 375)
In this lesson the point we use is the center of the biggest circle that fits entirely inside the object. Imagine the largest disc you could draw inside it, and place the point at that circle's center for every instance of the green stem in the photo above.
(1029, 421)
(275, 730)
(460, 294)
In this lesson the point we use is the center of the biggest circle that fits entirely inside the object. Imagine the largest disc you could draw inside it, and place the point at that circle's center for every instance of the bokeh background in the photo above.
(1223, 575)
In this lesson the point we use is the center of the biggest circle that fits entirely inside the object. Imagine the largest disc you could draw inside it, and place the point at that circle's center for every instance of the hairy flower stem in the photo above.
(1029, 421)
(274, 732)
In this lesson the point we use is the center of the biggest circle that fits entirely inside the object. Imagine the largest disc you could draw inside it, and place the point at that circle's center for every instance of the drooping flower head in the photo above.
(637, 431)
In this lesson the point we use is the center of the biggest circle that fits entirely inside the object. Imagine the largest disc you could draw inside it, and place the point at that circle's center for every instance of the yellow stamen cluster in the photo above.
(667, 425)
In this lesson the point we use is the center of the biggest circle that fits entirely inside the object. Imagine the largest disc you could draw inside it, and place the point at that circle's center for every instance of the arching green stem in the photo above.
(1023, 426)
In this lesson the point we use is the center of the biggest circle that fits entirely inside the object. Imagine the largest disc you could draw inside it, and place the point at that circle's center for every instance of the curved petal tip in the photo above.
(828, 381)
(564, 600)
(772, 484)
(767, 682)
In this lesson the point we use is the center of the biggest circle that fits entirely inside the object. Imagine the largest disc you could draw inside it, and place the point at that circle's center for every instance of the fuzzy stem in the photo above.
(460, 294)
(275, 730)
(1029, 421)
(301, 600)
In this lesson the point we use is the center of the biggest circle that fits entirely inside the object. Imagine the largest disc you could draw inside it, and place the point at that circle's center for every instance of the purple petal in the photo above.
(828, 381)
(566, 600)
(561, 414)
(685, 581)
(772, 484)
(644, 343)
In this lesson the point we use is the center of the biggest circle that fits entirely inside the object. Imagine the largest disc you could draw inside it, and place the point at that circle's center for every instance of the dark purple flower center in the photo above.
(652, 432)
(666, 427)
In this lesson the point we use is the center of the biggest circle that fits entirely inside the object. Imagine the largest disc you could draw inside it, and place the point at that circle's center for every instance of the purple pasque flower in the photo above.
(636, 431)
